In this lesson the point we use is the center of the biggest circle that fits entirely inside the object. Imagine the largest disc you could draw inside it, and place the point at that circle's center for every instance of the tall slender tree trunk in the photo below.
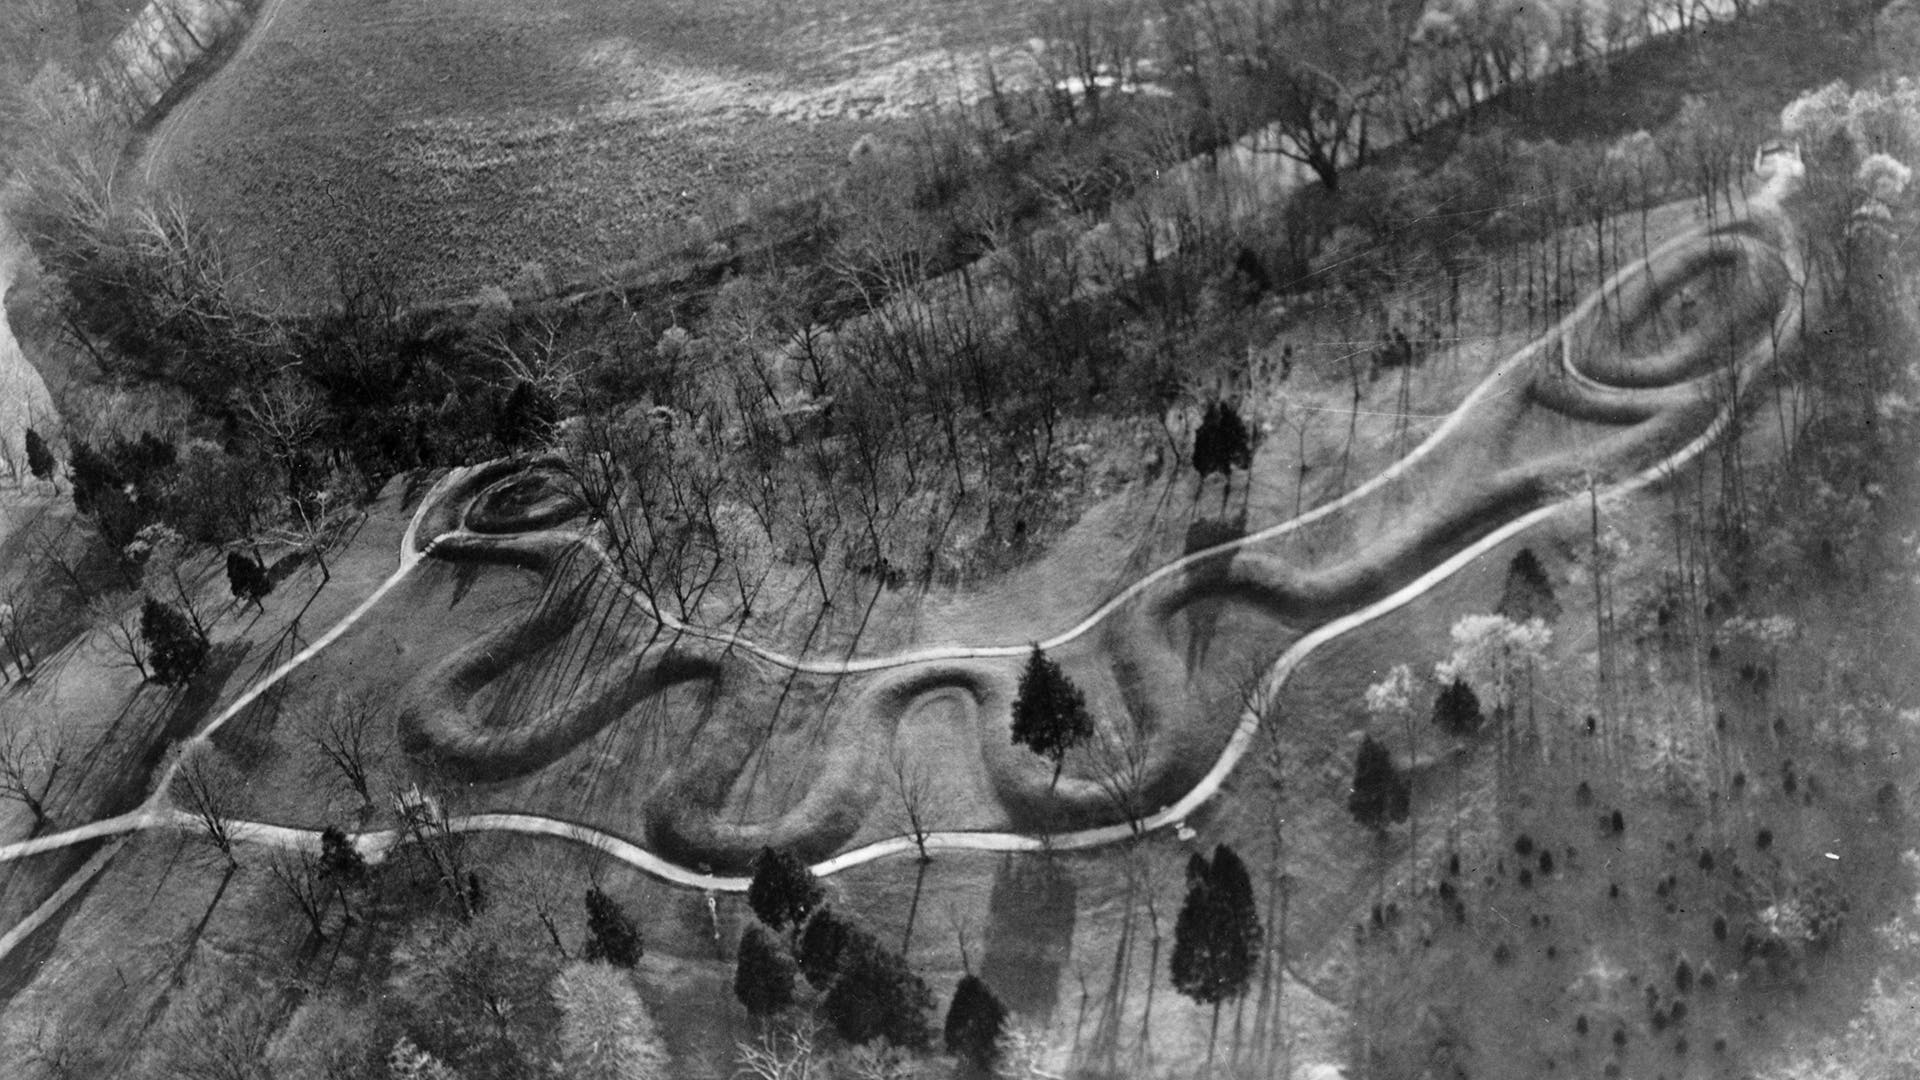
(1213, 1035)
(913, 909)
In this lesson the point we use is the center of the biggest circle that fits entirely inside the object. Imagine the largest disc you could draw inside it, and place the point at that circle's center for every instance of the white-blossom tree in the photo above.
(1493, 653)
(606, 1032)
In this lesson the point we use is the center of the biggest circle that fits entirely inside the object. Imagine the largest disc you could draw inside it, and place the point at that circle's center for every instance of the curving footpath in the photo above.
(157, 813)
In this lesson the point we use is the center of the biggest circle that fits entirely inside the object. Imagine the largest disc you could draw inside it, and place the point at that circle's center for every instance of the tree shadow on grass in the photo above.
(1030, 921)
(23, 964)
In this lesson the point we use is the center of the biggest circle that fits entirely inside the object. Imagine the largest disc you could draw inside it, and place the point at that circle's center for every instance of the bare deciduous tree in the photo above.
(346, 735)
(285, 416)
(119, 622)
(220, 1035)
(206, 785)
(29, 763)
(424, 816)
(544, 882)
(1122, 754)
(300, 875)
(912, 786)
(785, 1052)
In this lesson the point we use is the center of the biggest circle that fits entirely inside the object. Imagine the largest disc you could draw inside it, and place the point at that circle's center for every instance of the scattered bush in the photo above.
(1381, 795)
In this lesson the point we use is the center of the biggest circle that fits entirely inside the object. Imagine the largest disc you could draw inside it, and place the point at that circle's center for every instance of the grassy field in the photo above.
(482, 147)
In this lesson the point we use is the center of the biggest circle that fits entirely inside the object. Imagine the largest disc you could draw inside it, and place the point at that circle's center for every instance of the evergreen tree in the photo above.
(822, 947)
(176, 651)
(1381, 795)
(247, 579)
(611, 933)
(763, 977)
(39, 456)
(975, 1021)
(1233, 889)
(1456, 709)
(1528, 594)
(1222, 442)
(1049, 713)
(90, 476)
(1216, 937)
(783, 891)
(877, 997)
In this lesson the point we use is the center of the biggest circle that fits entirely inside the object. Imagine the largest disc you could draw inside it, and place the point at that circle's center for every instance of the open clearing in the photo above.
(516, 141)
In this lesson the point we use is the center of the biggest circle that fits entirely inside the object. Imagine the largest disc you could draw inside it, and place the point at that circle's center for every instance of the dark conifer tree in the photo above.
(176, 651)
(763, 975)
(611, 933)
(90, 476)
(822, 946)
(1216, 937)
(1222, 442)
(876, 996)
(975, 1020)
(1233, 889)
(1049, 713)
(783, 891)
(1528, 593)
(1456, 709)
(1381, 796)
(39, 456)
(247, 579)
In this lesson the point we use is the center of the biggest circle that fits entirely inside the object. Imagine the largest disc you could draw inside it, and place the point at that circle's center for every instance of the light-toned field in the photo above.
(465, 146)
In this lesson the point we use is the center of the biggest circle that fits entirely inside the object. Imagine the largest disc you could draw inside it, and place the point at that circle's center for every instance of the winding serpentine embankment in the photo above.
(1556, 345)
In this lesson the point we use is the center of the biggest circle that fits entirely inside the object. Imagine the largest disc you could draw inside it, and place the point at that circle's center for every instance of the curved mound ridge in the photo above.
(1644, 365)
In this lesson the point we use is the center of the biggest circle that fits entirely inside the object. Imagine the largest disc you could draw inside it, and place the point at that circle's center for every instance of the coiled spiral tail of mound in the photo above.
(504, 510)
(1681, 331)
(538, 496)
